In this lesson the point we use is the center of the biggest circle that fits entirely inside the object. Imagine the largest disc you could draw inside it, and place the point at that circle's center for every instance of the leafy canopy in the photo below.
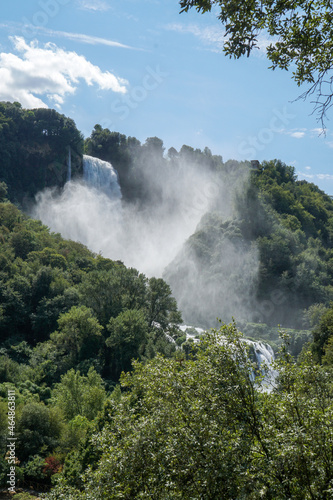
(199, 428)
(303, 38)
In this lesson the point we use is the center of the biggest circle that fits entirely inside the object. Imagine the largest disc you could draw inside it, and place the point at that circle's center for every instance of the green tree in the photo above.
(102, 292)
(34, 149)
(128, 334)
(302, 38)
(44, 319)
(77, 394)
(172, 433)
(39, 429)
(107, 292)
(162, 307)
(204, 429)
(23, 242)
(323, 333)
(79, 335)
(3, 191)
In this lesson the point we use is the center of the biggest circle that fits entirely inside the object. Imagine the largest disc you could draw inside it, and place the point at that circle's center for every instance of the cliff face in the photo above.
(34, 150)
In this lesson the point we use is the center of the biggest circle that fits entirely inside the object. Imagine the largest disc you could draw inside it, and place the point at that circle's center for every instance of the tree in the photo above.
(102, 292)
(303, 32)
(34, 148)
(3, 192)
(107, 292)
(323, 333)
(128, 332)
(171, 434)
(79, 335)
(202, 428)
(162, 306)
(80, 395)
(39, 429)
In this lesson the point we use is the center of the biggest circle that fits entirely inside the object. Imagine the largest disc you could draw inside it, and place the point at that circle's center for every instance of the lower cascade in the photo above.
(261, 354)
(264, 357)
(101, 175)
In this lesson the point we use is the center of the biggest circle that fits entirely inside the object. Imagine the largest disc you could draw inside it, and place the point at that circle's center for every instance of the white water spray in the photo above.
(102, 176)
(91, 211)
(263, 356)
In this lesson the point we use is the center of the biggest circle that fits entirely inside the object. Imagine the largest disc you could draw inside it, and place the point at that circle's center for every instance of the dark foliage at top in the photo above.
(34, 149)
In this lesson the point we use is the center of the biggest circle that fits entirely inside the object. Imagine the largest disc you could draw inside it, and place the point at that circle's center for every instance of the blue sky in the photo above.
(140, 68)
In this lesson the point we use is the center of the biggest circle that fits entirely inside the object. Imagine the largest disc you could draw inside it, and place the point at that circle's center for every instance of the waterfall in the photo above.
(264, 357)
(69, 164)
(261, 353)
(102, 176)
(192, 332)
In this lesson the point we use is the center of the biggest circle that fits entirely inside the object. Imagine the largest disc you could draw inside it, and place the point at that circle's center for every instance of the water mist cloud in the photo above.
(186, 226)
(146, 238)
(220, 270)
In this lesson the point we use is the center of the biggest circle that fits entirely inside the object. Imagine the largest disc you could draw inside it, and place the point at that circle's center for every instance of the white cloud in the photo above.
(307, 168)
(94, 5)
(48, 72)
(214, 35)
(296, 133)
(305, 176)
(30, 30)
(211, 35)
(327, 177)
(318, 131)
(89, 39)
(311, 177)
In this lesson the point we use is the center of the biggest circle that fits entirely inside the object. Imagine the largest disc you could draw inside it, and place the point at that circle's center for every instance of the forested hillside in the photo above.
(187, 420)
(70, 322)
(270, 262)
(263, 250)
(34, 146)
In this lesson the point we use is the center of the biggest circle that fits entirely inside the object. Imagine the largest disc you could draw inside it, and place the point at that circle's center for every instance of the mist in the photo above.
(152, 236)
(220, 270)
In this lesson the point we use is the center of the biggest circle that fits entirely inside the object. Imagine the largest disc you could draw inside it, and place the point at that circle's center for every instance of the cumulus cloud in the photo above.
(34, 72)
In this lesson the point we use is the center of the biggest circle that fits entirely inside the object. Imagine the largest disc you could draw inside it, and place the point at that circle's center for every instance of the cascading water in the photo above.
(264, 357)
(261, 353)
(69, 164)
(102, 176)
(86, 210)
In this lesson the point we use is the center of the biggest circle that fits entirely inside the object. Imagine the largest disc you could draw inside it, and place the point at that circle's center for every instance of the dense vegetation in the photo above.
(270, 262)
(184, 423)
(277, 240)
(143, 167)
(70, 322)
(34, 148)
(201, 428)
